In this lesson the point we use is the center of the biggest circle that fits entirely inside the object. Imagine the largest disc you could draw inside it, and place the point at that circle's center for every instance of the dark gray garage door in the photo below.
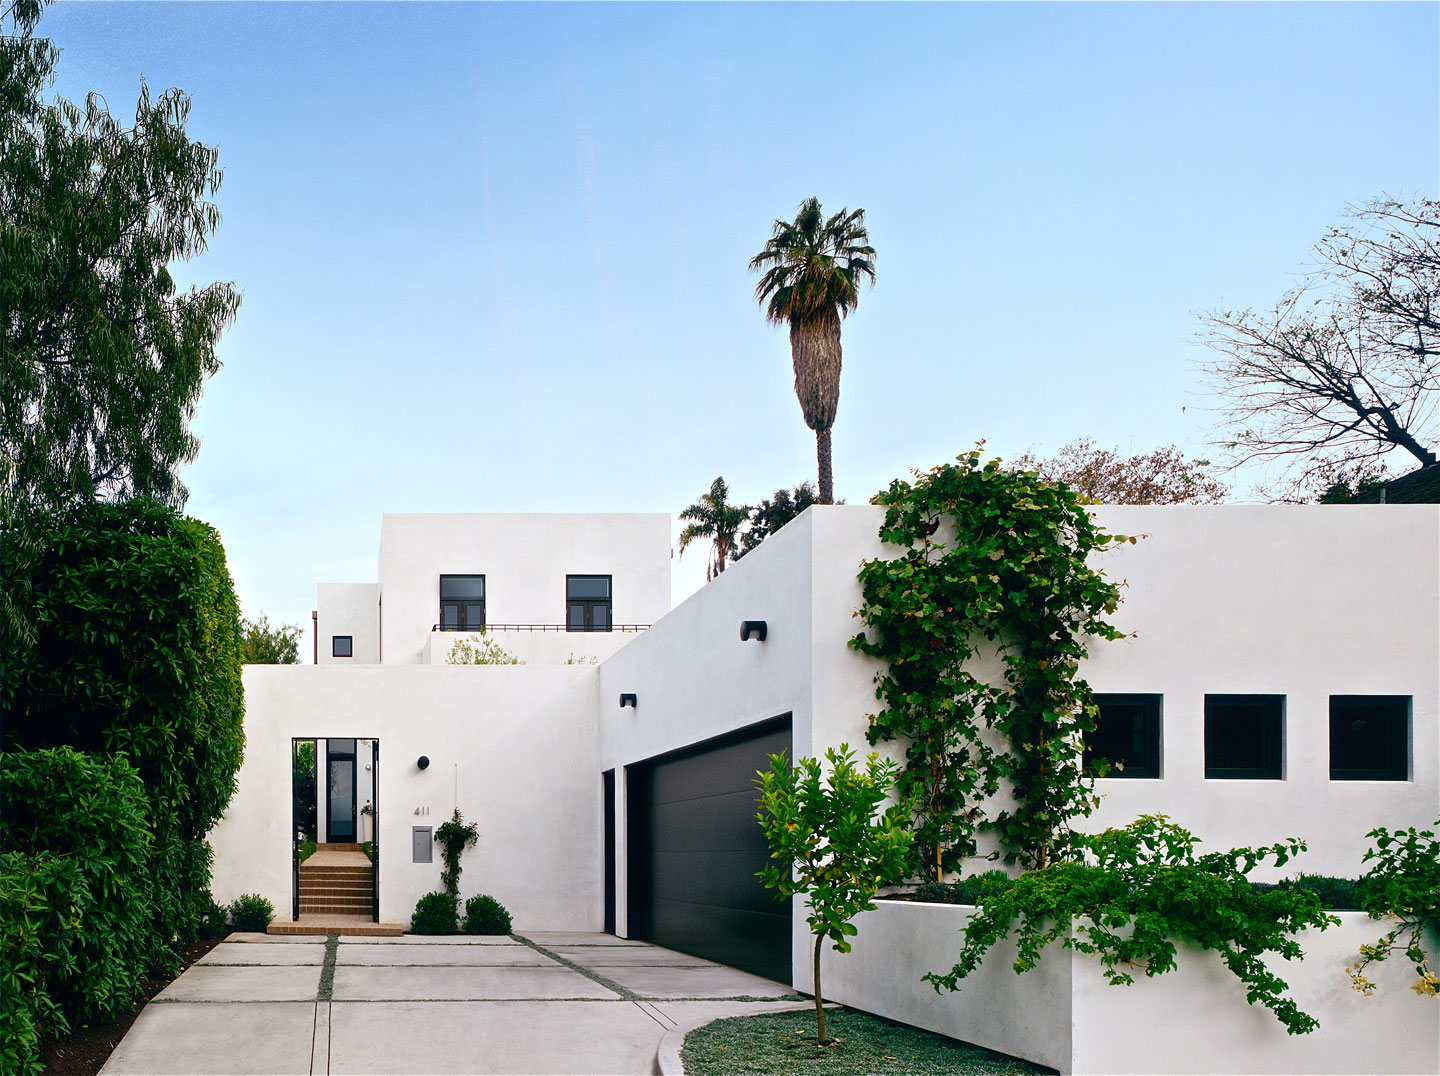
(695, 847)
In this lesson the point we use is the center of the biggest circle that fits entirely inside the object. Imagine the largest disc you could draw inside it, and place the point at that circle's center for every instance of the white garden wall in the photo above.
(513, 746)
(1195, 1019)
(535, 647)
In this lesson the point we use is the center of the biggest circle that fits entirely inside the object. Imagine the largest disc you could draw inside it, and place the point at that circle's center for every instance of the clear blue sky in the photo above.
(493, 257)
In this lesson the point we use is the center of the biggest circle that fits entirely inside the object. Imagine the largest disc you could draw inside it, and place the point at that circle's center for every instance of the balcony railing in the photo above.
(548, 627)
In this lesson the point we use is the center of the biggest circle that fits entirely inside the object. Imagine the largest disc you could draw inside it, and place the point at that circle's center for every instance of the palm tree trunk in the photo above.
(822, 456)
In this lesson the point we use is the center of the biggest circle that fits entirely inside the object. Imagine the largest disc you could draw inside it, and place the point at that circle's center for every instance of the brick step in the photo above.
(364, 930)
(339, 848)
(336, 872)
(357, 890)
(336, 907)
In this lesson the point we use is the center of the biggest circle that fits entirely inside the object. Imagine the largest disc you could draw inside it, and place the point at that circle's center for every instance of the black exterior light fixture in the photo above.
(752, 627)
(627, 699)
(423, 761)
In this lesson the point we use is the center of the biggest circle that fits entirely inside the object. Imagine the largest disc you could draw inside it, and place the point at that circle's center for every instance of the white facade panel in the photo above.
(347, 609)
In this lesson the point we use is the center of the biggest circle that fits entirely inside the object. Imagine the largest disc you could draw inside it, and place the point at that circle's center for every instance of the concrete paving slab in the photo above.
(497, 1036)
(461, 984)
(611, 956)
(185, 1037)
(552, 938)
(440, 955)
(436, 939)
(245, 953)
(711, 982)
(221, 983)
(238, 938)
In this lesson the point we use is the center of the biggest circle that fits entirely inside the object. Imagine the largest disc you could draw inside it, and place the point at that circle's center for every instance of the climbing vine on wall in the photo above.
(989, 558)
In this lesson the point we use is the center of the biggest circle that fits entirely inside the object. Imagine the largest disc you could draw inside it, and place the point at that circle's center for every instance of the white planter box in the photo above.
(1062, 1013)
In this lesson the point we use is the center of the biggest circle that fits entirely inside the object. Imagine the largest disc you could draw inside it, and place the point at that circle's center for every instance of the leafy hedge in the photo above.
(136, 652)
(76, 912)
(435, 913)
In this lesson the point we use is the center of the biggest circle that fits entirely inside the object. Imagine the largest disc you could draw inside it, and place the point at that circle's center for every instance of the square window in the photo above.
(341, 646)
(1244, 737)
(587, 603)
(1126, 735)
(462, 603)
(1369, 737)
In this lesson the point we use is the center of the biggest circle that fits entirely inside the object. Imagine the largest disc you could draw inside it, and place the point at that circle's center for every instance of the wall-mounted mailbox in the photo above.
(422, 844)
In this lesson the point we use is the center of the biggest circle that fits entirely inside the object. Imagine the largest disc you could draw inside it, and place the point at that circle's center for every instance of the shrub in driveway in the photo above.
(486, 915)
(435, 913)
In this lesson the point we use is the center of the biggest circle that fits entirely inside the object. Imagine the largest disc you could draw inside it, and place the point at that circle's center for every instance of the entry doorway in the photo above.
(340, 790)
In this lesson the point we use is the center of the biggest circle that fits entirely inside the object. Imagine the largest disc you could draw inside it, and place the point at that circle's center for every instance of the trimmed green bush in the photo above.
(76, 914)
(435, 913)
(252, 913)
(971, 890)
(39, 932)
(486, 915)
(136, 652)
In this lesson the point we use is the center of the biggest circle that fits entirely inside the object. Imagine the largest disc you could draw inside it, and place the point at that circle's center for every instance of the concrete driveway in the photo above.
(541, 1002)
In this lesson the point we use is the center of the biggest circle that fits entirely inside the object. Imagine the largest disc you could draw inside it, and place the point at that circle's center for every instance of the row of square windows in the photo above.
(1245, 737)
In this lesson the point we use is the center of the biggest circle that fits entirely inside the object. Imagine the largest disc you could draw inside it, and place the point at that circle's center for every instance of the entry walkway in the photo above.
(541, 1002)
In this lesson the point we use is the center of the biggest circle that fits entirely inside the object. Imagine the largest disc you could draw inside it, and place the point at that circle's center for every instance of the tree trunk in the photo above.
(819, 1003)
(822, 457)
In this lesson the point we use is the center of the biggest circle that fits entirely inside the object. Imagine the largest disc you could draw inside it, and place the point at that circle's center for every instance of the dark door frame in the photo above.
(607, 790)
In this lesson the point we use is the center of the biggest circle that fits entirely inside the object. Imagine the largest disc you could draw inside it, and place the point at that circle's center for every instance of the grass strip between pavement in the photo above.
(327, 973)
(784, 1043)
(608, 984)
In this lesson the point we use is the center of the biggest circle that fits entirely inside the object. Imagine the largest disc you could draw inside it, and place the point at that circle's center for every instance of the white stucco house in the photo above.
(1282, 679)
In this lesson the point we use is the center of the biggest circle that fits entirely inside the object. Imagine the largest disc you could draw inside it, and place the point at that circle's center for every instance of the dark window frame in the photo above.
(335, 646)
(1150, 765)
(467, 609)
(1270, 742)
(589, 606)
(1397, 744)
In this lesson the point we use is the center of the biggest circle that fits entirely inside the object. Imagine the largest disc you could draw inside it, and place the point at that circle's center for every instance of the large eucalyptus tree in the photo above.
(810, 277)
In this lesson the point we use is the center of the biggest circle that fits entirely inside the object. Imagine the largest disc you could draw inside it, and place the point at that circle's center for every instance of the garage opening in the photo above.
(695, 848)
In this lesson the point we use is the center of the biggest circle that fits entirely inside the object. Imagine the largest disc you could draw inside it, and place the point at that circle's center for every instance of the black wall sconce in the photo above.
(627, 699)
(423, 761)
(752, 627)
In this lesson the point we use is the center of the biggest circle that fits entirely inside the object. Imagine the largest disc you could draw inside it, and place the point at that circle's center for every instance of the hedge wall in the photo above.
(76, 914)
(136, 652)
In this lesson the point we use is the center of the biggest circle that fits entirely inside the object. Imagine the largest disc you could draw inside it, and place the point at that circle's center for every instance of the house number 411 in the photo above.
(422, 810)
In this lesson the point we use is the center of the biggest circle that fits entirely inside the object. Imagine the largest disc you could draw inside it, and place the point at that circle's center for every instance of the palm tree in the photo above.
(712, 517)
(811, 269)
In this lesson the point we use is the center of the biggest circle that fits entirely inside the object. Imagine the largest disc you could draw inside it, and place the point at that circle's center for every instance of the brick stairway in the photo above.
(337, 880)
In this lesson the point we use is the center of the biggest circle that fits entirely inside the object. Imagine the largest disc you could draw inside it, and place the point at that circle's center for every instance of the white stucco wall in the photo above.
(1302, 601)
(351, 609)
(524, 559)
(514, 747)
(535, 647)
(1195, 1019)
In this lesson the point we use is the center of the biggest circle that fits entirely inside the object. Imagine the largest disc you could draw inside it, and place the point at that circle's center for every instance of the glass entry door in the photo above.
(340, 770)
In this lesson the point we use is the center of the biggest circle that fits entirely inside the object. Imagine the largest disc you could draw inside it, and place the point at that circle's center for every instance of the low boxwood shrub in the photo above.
(252, 913)
(971, 890)
(435, 913)
(486, 915)
(1336, 894)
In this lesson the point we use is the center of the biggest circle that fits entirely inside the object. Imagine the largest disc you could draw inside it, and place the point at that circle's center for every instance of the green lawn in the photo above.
(785, 1043)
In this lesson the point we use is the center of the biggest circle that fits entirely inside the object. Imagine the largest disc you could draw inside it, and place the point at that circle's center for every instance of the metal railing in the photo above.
(545, 627)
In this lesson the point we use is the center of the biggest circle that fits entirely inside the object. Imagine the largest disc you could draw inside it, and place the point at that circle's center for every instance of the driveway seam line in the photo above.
(608, 984)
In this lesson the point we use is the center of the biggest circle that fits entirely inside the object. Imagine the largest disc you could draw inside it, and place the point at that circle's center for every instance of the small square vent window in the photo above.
(1126, 737)
(1369, 737)
(1244, 737)
(341, 646)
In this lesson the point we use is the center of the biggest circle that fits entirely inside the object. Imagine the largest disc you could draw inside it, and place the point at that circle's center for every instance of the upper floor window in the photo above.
(1369, 737)
(1245, 737)
(462, 602)
(587, 603)
(1126, 736)
(341, 646)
